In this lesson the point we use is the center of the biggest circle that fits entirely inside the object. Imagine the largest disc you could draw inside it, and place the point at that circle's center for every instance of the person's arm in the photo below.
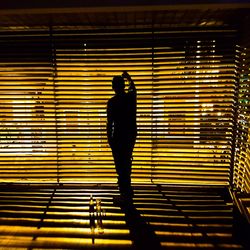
(131, 87)
(109, 124)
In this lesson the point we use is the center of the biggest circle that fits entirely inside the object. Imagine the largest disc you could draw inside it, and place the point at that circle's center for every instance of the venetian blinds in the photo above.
(27, 103)
(54, 90)
(242, 152)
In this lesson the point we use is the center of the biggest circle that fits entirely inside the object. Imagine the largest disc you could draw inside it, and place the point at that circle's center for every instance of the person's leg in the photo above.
(125, 171)
(122, 154)
(118, 160)
(128, 187)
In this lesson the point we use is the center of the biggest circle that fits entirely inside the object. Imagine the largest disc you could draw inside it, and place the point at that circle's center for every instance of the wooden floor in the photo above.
(160, 217)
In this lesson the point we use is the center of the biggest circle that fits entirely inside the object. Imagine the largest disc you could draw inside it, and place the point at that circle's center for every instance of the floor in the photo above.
(40, 216)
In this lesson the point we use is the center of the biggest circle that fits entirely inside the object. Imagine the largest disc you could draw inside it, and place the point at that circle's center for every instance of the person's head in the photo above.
(118, 84)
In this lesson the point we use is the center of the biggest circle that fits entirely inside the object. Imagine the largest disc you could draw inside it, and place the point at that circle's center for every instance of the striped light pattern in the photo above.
(58, 217)
(55, 84)
(242, 152)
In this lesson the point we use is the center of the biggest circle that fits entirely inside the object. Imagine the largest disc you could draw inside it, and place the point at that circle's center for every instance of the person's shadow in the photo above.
(142, 234)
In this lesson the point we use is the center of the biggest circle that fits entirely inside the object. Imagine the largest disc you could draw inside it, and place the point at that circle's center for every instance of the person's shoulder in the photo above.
(111, 100)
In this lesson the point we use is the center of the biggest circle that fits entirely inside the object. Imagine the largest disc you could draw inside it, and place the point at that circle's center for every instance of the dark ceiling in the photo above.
(134, 14)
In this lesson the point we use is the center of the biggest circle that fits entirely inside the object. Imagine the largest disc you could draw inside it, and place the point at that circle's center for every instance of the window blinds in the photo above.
(27, 101)
(241, 177)
(55, 84)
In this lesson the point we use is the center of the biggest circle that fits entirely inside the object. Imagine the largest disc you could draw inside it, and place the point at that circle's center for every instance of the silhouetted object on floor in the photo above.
(122, 130)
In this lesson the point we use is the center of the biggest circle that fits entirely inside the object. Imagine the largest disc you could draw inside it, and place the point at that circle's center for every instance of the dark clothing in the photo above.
(122, 131)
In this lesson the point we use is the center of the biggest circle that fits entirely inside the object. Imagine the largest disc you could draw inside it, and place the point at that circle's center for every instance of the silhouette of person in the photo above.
(122, 130)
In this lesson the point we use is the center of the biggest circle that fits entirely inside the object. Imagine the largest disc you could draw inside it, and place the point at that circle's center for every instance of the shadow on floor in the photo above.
(142, 234)
(159, 217)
